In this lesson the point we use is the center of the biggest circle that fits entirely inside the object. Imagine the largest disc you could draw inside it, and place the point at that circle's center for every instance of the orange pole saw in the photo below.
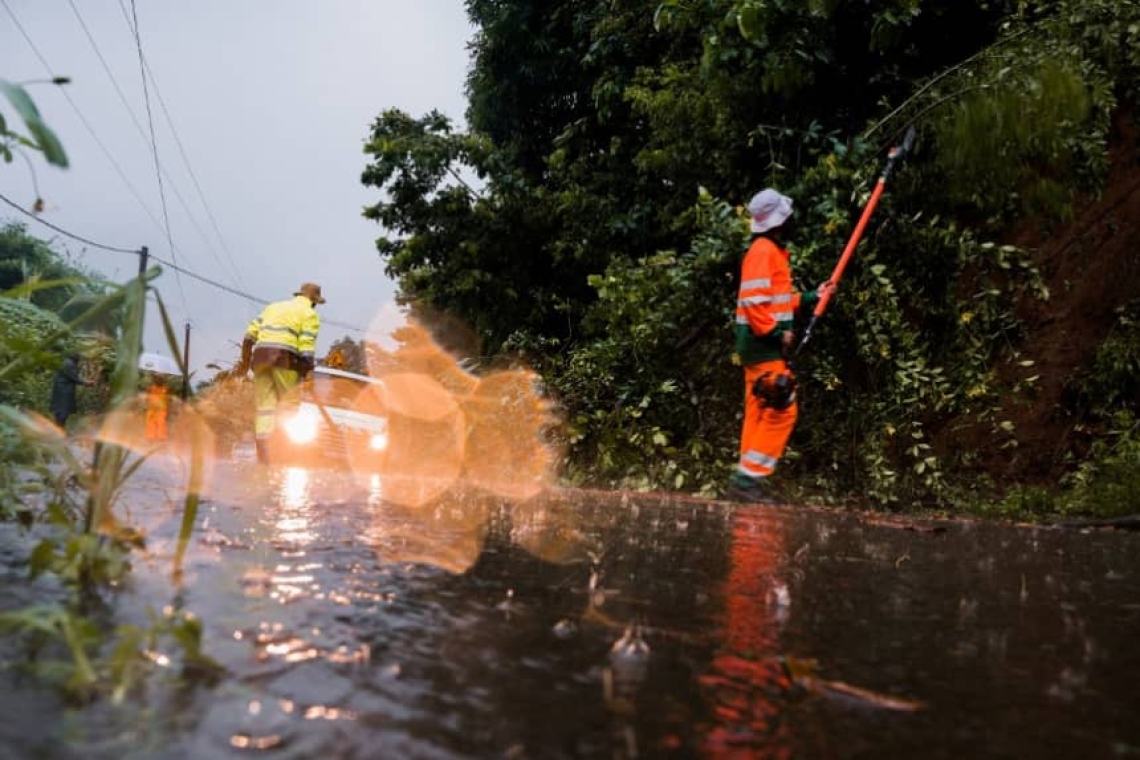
(896, 154)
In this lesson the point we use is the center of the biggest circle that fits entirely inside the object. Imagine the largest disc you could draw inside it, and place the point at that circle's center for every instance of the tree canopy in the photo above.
(51, 280)
(589, 215)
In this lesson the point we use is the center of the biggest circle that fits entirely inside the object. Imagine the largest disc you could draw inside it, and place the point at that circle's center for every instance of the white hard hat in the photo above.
(769, 209)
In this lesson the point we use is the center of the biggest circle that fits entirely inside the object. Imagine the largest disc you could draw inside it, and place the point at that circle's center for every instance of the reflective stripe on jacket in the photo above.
(285, 334)
(766, 305)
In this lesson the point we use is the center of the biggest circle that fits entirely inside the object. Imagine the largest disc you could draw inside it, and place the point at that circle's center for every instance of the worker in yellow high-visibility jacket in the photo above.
(280, 348)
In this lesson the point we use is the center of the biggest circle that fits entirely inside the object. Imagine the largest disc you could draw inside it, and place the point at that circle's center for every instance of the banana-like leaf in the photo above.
(168, 329)
(33, 286)
(104, 306)
(44, 138)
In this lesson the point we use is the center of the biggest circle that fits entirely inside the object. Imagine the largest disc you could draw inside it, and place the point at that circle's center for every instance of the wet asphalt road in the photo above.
(600, 625)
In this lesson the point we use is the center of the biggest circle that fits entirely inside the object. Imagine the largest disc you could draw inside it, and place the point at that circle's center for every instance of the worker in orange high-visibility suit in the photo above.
(157, 408)
(765, 312)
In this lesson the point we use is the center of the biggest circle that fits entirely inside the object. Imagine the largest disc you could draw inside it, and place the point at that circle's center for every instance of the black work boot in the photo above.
(749, 491)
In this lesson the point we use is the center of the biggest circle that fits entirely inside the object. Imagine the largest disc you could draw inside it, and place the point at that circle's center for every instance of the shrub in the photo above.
(1107, 483)
(24, 328)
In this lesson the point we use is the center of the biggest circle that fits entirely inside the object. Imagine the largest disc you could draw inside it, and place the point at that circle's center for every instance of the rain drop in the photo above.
(565, 628)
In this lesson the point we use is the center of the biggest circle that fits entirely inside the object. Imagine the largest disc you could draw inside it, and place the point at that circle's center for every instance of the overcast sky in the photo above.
(271, 100)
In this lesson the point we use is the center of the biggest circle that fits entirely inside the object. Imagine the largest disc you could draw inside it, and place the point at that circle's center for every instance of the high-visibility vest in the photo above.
(285, 334)
(767, 302)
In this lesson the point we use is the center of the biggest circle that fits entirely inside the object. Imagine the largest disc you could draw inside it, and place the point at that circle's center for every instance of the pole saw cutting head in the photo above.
(894, 156)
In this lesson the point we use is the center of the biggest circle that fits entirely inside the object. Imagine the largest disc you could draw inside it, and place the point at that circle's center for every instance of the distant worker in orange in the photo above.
(765, 312)
(335, 359)
(280, 348)
(157, 408)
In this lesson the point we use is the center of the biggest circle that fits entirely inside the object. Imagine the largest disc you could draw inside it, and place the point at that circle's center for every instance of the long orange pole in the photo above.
(852, 242)
(895, 155)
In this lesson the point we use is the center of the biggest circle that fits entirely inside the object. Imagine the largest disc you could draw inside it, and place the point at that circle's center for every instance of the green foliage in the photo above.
(80, 310)
(42, 291)
(1106, 400)
(1018, 128)
(534, 68)
(647, 399)
(30, 262)
(825, 63)
(451, 251)
(40, 136)
(910, 340)
(572, 222)
(87, 548)
(1107, 482)
(592, 132)
(96, 668)
(27, 331)
(1020, 503)
(1106, 32)
(1027, 138)
(1112, 383)
(44, 622)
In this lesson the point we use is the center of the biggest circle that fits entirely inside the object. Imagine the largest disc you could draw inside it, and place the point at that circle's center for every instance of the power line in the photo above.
(194, 177)
(186, 161)
(208, 281)
(243, 294)
(154, 150)
(175, 267)
(142, 133)
(122, 175)
(62, 231)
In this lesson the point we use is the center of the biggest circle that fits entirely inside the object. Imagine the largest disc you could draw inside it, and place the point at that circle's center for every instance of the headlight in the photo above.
(379, 441)
(302, 427)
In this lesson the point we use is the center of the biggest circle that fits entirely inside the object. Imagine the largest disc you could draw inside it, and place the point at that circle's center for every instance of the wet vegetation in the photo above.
(65, 495)
(613, 145)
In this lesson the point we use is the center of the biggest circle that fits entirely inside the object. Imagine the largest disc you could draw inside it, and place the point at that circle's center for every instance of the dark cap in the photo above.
(312, 291)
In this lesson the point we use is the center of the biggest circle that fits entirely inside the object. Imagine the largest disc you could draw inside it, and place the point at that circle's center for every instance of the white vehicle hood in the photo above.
(347, 418)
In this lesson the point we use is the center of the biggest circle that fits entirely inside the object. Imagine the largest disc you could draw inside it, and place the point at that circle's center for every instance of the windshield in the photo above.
(336, 391)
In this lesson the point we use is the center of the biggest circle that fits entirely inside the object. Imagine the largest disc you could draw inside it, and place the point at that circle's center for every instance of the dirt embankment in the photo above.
(1091, 266)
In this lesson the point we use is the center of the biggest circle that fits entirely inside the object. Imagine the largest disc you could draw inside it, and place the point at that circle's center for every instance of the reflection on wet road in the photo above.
(592, 625)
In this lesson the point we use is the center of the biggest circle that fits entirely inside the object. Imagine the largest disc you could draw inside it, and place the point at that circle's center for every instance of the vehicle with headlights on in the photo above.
(340, 421)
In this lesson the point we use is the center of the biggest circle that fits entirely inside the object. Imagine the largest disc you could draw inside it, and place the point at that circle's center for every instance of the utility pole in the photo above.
(186, 364)
(144, 254)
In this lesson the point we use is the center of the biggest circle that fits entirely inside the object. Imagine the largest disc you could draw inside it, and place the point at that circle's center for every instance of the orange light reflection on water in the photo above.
(293, 523)
(188, 452)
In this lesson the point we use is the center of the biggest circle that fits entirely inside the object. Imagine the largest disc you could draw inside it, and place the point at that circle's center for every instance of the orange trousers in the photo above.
(766, 430)
(747, 684)
(157, 405)
(156, 424)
